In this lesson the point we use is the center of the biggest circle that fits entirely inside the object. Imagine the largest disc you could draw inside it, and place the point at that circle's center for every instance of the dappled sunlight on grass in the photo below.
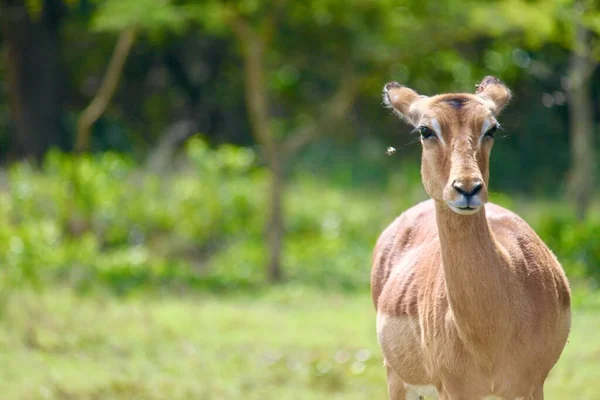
(291, 342)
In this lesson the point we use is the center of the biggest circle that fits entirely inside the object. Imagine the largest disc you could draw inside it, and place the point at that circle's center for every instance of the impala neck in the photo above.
(473, 266)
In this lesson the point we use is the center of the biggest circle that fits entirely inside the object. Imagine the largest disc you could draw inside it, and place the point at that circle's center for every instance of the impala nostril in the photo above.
(476, 189)
(458, 186)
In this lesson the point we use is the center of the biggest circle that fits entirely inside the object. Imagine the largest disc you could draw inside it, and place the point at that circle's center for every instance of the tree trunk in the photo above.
(260, 119)
(106, 91)
(275, 227)
(276, 152)
(581, 125)
(34, 76)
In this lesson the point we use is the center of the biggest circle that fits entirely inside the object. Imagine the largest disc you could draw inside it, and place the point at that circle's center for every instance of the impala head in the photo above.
(457, 133)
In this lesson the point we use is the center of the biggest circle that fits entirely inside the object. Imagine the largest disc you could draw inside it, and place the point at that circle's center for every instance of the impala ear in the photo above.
(494, 93)
(400, 99)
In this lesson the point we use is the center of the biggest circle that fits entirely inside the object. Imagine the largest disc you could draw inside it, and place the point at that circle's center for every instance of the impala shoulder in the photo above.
(528, 250)
(503, 220)
(414, 221)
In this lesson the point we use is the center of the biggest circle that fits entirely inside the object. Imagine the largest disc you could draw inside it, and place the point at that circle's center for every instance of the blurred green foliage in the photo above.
(575, 243)
(123, 228)
(186, 65)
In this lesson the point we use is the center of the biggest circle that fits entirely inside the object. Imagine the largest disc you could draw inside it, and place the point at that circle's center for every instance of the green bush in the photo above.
(575, 243)
(101, 221)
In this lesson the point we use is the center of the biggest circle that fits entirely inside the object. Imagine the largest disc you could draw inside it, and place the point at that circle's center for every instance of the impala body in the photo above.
(471, 304)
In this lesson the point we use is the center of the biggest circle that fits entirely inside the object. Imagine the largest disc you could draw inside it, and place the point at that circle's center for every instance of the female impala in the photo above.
(471, 304)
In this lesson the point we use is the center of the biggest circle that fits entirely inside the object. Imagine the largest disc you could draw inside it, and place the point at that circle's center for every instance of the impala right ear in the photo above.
(400, 99)
(494, 93)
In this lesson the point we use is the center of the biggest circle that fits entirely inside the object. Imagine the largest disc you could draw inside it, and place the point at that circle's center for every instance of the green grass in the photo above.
(285, 343)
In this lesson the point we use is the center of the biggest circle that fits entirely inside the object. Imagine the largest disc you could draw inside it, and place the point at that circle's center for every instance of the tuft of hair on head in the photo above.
(456, 102)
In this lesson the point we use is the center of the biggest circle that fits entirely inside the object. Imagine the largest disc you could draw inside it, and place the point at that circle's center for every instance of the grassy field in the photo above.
(286, 343)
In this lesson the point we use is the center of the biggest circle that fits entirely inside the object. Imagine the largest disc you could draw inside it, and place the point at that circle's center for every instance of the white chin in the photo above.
(463, 211)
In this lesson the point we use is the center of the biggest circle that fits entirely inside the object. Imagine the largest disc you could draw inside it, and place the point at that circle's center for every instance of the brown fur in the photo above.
(475, 305)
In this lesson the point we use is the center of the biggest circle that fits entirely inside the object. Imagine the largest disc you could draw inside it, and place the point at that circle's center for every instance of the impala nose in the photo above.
(469, 189)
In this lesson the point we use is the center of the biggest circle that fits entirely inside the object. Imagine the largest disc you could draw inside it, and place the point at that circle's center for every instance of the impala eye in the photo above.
(426, 132)
(492, 131)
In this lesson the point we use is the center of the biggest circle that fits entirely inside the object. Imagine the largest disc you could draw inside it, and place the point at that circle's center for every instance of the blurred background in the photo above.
(191, 190)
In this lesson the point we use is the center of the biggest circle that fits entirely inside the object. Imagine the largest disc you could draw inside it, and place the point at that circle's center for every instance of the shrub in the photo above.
(574, 242)
(101, 221)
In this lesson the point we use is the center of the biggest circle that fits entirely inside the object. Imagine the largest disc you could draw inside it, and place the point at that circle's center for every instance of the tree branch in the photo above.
(583, 60)
(255, 88)
(106, 91)
(257, 100)
(268, 27)
(335, 110)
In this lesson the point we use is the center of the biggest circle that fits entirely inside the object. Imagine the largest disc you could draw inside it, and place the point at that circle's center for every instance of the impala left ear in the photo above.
(495, 94)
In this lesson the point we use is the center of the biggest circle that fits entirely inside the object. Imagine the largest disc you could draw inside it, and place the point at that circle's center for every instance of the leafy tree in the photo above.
(575, 26)
(126, 17)
(304, 64)
(109, 84)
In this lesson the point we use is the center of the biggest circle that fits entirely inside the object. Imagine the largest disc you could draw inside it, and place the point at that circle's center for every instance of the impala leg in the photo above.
(397, 389)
